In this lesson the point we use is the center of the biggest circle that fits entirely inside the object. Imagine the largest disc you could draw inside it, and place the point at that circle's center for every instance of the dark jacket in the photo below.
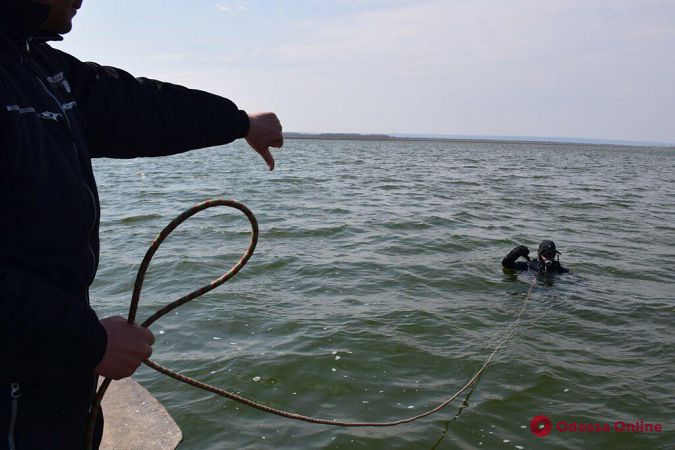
(510, 262)
(56, 113)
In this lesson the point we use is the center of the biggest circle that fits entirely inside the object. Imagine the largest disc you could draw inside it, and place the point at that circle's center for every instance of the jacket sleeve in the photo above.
(509, 260)
(126, 117)
(43, 328)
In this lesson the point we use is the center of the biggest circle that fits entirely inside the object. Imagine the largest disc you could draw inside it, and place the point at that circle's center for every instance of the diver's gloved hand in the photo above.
(523, 251)
(514, 254)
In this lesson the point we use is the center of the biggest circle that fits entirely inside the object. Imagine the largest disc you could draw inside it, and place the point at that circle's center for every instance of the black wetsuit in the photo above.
(510, 262)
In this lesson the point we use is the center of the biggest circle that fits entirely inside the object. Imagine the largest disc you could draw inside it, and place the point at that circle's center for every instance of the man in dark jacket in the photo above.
(56, 113)
(546, 262)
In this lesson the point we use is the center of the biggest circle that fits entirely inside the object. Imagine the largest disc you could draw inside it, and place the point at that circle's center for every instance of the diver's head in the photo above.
(547, 254)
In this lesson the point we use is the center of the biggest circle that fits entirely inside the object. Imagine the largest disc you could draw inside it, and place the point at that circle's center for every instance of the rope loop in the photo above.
(140, 277)
(219, 281)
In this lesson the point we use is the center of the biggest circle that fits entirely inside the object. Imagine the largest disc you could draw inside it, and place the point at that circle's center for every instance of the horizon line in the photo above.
(481, 138)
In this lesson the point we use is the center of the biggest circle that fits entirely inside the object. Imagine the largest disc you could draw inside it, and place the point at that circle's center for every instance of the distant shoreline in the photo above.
(385, 137)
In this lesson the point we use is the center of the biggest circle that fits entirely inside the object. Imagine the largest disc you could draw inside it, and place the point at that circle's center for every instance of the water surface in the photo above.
(376, 290)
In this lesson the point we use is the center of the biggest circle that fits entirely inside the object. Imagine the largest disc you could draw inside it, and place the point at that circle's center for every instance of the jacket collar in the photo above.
(22, 19)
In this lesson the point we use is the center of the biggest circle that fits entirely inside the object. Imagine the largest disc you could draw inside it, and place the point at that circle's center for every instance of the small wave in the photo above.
(131, 220)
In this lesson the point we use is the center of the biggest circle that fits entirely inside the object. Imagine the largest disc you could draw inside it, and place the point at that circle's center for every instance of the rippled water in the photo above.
(376, 290)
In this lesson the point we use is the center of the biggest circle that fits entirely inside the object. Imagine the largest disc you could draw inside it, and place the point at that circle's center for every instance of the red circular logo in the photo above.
(541, 426)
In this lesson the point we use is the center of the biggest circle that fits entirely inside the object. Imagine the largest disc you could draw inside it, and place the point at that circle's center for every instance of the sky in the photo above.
(595, 69)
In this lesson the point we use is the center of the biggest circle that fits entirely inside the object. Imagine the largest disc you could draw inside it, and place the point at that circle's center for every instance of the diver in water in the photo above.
(547, 259)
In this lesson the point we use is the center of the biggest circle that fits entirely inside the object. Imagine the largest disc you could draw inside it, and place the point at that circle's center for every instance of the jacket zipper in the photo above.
(91, 228)
(91, 194)
(16, 393)
(58, 103)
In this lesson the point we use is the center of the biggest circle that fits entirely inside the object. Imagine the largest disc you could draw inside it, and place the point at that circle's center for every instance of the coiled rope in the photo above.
(217, 282)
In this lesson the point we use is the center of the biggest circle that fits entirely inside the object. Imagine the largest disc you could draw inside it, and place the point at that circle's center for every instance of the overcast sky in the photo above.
(601, 69)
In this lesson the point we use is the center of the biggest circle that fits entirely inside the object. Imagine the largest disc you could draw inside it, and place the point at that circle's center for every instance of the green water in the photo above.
(376, 291)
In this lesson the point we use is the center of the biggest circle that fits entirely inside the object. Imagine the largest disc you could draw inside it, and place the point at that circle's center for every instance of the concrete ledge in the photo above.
(134, 419)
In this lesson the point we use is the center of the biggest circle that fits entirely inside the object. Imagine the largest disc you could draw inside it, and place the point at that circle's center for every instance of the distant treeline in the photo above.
(386, 137)
(342, 136)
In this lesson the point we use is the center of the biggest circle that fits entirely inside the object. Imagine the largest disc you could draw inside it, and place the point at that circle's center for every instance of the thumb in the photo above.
(267, 156)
